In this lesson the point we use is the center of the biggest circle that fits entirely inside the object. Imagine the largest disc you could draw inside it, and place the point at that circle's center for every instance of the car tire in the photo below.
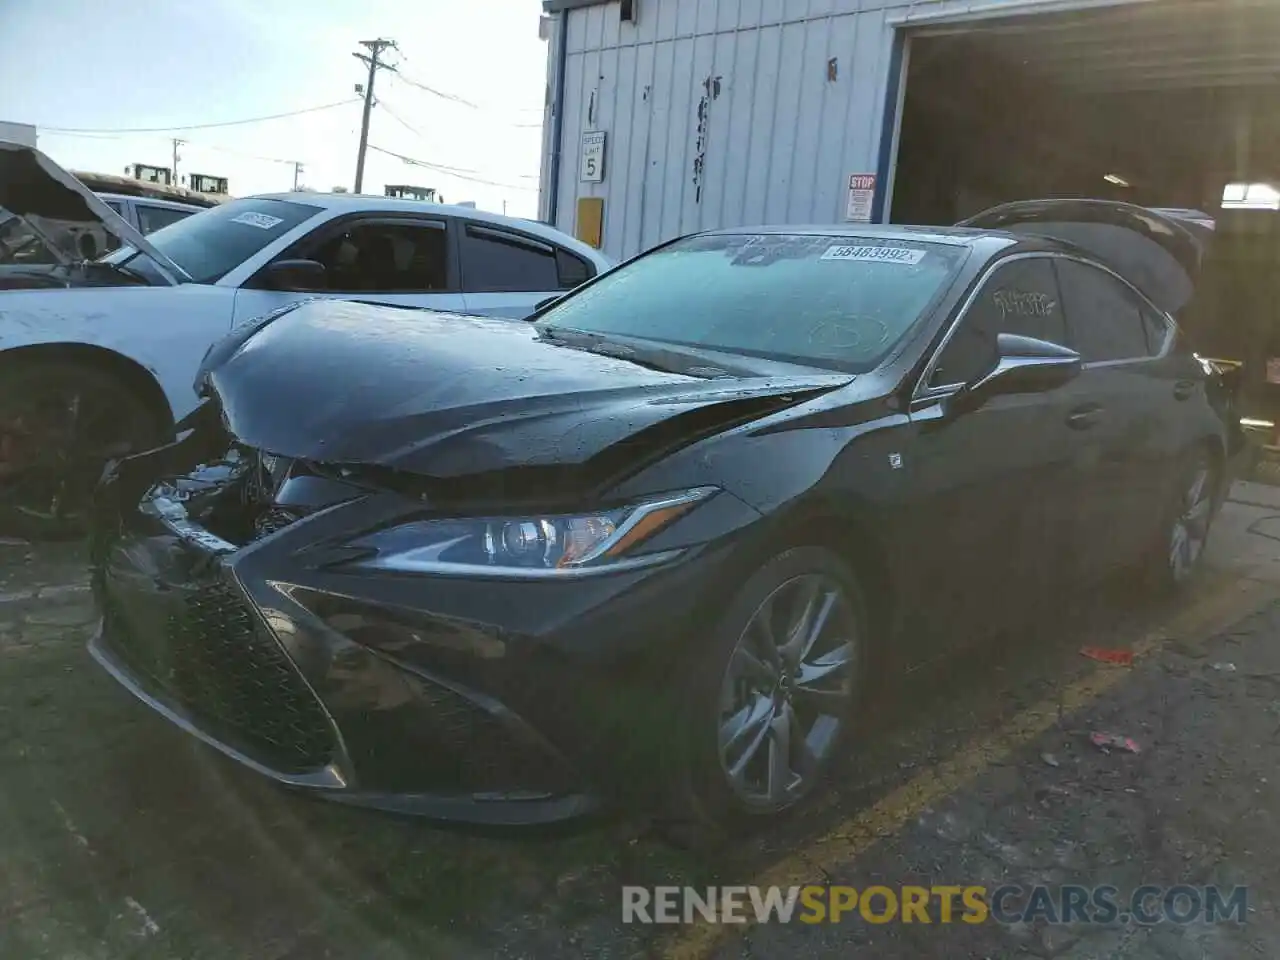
(60, 423)
(763, 723)
(1178, 554)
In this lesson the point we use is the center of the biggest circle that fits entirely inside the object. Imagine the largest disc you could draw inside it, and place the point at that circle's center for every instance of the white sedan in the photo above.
(98, 358)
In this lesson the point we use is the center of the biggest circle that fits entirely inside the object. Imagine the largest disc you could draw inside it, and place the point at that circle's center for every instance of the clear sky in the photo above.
(116, 64)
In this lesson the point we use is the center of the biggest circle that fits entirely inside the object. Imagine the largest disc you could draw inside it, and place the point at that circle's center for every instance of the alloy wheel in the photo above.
(787, 692)
(1191, 525)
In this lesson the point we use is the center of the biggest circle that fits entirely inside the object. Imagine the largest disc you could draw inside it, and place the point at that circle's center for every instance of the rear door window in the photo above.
(1105, 315)
(1020, 297)
(495, 261)
(152, 218)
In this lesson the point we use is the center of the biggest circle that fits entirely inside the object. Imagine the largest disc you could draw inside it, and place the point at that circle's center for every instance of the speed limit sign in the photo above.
(591, 167)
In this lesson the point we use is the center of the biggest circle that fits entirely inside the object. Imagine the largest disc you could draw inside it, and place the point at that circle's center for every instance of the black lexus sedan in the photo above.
(659, 543)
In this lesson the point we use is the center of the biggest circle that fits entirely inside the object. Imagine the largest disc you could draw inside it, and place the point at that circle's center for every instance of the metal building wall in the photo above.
(733, 112)
(722, 112)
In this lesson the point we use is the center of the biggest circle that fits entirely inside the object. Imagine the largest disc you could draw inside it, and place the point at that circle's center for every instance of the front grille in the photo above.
(215, 659)
(482, 750)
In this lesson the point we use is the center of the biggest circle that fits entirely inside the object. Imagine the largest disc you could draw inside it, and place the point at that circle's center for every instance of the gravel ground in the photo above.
(123, 838)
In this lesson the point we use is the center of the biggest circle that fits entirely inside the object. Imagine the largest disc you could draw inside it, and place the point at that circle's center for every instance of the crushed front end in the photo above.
(210, 617)
(230, 605)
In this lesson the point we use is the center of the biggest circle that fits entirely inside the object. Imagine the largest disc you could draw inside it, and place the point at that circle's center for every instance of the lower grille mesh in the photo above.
(480, 748)
(218, 662)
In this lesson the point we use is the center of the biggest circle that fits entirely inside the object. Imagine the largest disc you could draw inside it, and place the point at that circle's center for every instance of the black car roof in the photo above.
(959, 236)
(985, 242)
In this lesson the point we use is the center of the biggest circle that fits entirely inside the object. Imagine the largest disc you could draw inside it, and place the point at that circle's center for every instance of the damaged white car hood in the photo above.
(46, 197)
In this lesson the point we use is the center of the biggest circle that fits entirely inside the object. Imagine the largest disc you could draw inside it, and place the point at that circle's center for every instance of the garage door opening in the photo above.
(1160, 104)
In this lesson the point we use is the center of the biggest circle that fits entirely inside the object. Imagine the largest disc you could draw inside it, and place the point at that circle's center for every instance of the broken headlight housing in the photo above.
(549, 545)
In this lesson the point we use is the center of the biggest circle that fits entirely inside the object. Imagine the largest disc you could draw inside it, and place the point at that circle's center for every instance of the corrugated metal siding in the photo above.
(721, 112)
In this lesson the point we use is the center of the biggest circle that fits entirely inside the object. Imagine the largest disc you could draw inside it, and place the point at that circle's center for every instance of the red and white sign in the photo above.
(862, 194)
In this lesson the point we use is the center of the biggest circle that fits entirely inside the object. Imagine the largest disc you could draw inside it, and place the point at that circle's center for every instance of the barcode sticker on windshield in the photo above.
(875, 254)
(262, 221)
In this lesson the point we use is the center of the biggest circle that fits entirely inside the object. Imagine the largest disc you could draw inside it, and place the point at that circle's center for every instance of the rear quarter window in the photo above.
(495, 261)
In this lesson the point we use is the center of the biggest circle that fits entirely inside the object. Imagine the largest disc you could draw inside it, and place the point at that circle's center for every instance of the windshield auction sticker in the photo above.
(262, 221)
(903, 255)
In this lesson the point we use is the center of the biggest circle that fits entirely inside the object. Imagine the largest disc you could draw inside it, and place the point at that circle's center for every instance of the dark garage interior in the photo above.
(1174, 98)
(1160, 104)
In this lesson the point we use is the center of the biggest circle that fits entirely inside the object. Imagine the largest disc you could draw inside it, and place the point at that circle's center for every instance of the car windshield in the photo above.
(210, 244)
(840, 302)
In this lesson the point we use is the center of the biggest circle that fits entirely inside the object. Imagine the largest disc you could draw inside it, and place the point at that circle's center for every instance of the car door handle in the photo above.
(1183, 389)
(1082, 418)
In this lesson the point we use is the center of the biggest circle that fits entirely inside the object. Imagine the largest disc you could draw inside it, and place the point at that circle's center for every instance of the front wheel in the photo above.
(60, 422)
(769, 701)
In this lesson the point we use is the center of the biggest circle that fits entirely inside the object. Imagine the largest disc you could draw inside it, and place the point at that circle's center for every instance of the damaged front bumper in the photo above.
(493, 702)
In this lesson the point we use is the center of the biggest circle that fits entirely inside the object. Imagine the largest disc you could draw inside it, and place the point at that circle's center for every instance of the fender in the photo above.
(164, 330)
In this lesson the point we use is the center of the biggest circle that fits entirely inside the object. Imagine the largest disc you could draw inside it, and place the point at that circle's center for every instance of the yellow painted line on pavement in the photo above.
(1202, 618)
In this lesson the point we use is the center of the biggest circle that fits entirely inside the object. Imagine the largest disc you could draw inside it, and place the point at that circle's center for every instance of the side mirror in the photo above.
(1023, 365)
(294, 275)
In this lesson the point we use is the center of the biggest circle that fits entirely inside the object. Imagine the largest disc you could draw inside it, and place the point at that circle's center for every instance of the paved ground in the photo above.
(121, 838)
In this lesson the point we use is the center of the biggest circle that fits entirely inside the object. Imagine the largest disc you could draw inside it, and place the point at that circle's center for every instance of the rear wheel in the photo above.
(60, 422)
(1178, 556)
(769, 703)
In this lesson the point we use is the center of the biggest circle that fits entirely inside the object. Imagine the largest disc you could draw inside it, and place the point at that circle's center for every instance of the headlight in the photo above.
(535, 546)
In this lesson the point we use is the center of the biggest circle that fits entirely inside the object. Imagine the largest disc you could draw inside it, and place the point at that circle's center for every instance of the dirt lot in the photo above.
(123, 838)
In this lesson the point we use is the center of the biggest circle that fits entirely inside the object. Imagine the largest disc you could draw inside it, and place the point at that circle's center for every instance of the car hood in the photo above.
(447, 396)
(1158, 254)
(47, 197)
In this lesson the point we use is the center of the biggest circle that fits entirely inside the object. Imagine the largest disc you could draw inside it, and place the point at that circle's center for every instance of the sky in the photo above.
(110, 67)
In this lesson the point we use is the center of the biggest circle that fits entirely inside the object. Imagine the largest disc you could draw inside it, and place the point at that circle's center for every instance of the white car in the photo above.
(98, 358)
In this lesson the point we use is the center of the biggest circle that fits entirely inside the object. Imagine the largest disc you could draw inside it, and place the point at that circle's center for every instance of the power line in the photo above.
(438, 168)
(453, 98)
(414, 130)
(467, 103)
(400, 120)
(238, 153)
(193, 143)
(195, 126)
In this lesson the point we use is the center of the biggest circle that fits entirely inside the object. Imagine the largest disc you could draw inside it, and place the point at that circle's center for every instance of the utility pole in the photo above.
(176, 143)
(297, 173)
(375, 48)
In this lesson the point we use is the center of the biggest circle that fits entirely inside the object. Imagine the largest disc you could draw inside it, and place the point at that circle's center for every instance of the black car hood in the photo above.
(448, 396)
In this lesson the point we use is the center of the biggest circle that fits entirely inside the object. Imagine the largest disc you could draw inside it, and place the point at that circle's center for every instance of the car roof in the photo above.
(959, 236)
(985, 242)
(373, 203)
